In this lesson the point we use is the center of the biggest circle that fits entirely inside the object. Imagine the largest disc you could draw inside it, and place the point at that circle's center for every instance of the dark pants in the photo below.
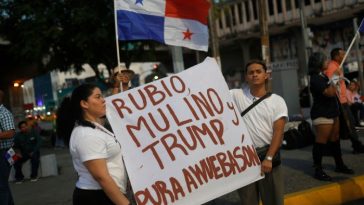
(358, 112)
(270, 189)
(34, 160)
(348, 126)
(90, 197)
(5, 193)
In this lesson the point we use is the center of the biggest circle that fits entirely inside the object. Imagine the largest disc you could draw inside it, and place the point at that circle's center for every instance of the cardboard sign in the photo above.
(183, 141)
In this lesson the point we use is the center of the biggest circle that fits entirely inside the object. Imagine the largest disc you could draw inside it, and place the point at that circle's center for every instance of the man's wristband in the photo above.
(269, 158)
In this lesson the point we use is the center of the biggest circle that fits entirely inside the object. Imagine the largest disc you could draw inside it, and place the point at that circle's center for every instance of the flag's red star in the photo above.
(187, 35)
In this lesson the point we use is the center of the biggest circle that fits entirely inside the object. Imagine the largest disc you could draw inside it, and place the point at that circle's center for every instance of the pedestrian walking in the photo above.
(96, 153)
(265, 124)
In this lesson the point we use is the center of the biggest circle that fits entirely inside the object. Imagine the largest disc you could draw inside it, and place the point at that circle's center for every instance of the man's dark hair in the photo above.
(335, 52)
(21, 123)
(255, 61)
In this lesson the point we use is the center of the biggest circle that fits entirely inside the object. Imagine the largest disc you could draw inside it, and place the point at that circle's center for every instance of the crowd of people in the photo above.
(96, 152)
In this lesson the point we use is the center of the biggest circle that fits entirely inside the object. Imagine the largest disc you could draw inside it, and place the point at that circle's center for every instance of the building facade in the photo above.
(327, 24)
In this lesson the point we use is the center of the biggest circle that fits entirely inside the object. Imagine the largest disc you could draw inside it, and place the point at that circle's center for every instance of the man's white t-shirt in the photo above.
(259, 120)
(88, 143)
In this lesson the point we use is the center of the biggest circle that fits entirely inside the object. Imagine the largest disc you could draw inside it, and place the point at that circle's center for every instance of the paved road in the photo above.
(356, 202)
(297, 166)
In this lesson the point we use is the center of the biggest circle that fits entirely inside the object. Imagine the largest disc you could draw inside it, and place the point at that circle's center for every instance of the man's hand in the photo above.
(117, 77)
(266, 166)
(7, 134)
(19, 154)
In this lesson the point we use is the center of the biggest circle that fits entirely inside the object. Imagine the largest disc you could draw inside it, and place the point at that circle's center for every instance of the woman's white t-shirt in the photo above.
(88, 143)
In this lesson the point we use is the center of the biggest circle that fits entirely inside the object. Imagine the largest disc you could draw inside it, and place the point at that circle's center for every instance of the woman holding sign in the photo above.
(96, 153)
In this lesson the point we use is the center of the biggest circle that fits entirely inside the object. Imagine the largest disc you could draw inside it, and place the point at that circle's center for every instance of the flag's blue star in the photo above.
(139, 2)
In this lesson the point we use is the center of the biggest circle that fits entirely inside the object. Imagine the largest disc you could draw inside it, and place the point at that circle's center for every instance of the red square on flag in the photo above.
(194, 10)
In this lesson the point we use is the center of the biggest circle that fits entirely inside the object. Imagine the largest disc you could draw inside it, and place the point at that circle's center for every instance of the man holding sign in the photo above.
(265, 123)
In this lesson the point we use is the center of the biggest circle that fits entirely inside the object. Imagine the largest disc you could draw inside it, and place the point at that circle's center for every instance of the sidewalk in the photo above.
(300, 186)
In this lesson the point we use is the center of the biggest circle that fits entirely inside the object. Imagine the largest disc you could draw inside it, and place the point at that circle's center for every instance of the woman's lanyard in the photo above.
(103, 129)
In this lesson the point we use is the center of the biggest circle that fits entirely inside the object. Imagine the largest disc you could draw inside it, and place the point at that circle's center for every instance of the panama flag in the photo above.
(171, 22)
(11, 156)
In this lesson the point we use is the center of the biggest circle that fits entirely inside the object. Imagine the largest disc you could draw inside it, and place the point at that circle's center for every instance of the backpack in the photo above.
(292, 139)
(298, 136)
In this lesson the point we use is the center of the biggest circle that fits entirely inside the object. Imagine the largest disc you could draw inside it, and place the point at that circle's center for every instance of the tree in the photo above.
(65, 34)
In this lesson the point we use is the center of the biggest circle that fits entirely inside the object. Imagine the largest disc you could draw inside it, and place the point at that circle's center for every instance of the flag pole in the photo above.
(177, 58)
(347, 51)
(351, 45)
(359, 56)
(116, 35)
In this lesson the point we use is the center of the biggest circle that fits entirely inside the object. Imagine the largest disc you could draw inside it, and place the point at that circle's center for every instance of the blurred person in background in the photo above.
(122, 78)
(27, 144)
(355, 102)
(7, 131)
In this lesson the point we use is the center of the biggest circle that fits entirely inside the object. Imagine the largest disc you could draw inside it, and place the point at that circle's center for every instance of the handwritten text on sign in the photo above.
(182, 138)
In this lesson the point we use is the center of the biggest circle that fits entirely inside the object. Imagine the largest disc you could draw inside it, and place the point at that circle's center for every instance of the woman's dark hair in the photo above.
(70, 112)
(316, 62)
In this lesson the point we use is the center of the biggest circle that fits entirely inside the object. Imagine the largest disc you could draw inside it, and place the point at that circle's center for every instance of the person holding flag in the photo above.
(334, 69)
(122, 77)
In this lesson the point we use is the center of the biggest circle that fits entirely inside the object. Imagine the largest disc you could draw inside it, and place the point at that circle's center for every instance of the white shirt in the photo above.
(86, 144)
(259, 120)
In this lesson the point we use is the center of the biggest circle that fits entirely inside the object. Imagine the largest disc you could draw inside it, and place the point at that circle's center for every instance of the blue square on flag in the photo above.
(134, 26)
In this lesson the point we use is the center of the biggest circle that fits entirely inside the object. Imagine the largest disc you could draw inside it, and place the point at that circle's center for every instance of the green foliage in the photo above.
(64, 34)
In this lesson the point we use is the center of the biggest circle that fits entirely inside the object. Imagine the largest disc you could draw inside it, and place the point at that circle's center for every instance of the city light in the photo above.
(16, 85)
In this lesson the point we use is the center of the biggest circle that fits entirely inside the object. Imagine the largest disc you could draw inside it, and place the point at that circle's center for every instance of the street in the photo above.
(297, 166)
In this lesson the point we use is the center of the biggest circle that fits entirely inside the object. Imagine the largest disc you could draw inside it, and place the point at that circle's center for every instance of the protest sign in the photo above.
(182, 139)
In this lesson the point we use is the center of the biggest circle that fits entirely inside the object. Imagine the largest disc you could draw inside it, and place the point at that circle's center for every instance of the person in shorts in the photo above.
(325, 117)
